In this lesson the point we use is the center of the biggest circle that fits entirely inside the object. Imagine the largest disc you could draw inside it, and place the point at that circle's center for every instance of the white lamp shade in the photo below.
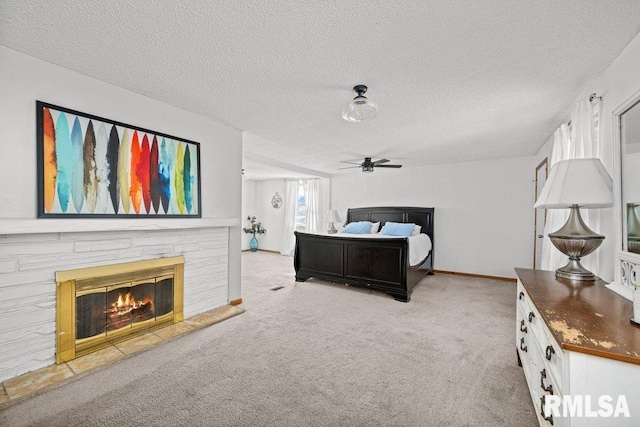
(582, 182)
(331, 216)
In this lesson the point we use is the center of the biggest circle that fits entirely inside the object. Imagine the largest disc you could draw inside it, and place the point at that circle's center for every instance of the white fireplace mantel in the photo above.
(74, 225)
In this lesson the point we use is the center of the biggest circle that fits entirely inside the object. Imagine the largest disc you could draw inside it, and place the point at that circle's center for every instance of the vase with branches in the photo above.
(255, 227)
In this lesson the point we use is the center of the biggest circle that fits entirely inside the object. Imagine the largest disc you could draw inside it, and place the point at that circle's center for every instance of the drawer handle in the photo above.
(543, 375)
(550, 417)
(549, 352)
(522, 344)
(521, 296)
(522, 327)
(531, 316)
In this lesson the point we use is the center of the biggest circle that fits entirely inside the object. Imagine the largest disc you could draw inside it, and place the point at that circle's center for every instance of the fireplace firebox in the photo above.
(100, 306)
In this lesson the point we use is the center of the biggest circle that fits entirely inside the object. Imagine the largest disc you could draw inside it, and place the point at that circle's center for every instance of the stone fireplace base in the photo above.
(99, 306)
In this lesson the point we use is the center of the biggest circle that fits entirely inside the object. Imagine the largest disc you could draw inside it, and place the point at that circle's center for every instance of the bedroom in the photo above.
(484, 124)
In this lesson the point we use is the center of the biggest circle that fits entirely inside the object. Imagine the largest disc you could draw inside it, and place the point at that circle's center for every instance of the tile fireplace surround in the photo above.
(31, 252)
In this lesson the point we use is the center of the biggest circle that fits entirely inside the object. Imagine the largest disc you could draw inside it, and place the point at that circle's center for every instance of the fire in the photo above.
(126, 303)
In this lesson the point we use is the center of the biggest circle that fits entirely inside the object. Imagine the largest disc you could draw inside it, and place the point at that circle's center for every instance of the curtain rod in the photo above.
(591, 98)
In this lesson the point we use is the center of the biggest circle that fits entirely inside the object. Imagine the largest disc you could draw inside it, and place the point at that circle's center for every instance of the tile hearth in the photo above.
(36, 382)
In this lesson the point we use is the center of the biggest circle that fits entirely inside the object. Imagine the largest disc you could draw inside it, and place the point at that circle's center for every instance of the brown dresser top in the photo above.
(585, 317)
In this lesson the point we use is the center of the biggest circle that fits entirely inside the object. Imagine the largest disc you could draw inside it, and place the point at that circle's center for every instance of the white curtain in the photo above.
(550, 257)
(581, 141)
(585, 143)
(312, 195)
(287, 247)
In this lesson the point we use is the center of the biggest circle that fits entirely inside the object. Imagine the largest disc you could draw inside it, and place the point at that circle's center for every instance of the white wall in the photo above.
(248, 208)
(23, 80)
(618, 83)
(483, 215)
(272, 219)
(256, 201)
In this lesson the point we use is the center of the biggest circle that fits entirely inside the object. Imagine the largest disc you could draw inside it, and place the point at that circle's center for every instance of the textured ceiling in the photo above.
(258, 171)
(455, 80)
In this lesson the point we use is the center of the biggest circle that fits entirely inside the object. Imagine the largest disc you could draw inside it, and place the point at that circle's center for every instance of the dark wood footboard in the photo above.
(381, 264)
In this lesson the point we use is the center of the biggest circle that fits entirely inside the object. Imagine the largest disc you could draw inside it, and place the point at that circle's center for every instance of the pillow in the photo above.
(398, 229)
(375, 227)
(361, 227)
(416, 230)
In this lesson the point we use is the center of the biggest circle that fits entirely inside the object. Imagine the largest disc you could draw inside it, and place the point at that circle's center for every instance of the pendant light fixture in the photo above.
(360, 109)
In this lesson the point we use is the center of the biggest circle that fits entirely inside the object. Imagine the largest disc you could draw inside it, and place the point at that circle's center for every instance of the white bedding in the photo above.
(419, 245)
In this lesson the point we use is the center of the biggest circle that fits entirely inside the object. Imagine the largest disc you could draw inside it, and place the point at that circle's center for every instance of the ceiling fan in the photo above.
(368, 165)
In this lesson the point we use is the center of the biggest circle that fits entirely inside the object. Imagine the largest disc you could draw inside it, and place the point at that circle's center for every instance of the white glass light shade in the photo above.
(331, 216)
(582, 182)
(359, 110)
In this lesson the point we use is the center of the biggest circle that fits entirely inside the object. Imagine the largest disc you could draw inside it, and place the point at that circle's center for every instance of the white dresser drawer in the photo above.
(551, 352)
(541, 384)
(528, 308)
(522, 339)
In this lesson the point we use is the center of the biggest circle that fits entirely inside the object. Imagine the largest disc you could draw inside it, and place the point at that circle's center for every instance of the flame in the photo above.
(126, 302)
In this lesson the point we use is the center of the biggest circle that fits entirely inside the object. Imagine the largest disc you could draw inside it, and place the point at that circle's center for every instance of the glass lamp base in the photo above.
(332, 229)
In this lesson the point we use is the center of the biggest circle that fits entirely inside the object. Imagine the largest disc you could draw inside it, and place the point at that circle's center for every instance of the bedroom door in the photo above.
(539, 215)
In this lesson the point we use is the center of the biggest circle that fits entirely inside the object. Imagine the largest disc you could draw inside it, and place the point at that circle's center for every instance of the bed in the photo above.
(375, 262)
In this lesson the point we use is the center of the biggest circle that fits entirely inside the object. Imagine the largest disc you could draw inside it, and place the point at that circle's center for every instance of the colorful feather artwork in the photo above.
(49, 165)
(113, 149)
(102, 169)
(164, 180)
(135, 190)
(124, 164)
(91, 166)
(178, 178)
(64, 157)
(143, 173)
(154, 175)
(77, 176)
(90, 170)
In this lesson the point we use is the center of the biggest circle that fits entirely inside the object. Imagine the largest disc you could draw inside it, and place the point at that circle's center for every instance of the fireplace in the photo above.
(100, 306)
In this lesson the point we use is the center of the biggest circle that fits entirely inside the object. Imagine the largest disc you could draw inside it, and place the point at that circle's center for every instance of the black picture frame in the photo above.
(84, 162)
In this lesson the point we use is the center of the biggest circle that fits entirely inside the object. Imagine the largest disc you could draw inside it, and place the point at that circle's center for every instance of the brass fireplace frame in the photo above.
(71, 282)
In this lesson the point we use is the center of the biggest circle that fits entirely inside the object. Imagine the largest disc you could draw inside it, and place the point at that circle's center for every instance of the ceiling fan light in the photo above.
(367, 168)
(360, 109)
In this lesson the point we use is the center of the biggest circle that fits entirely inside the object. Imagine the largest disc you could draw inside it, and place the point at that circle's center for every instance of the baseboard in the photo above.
(479, 276)
(262, 250)
(235, 301)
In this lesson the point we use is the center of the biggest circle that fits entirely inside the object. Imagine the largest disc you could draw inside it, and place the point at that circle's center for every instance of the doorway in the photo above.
(539, 215)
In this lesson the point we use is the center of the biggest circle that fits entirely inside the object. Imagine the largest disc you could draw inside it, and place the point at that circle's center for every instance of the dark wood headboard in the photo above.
(420, 216)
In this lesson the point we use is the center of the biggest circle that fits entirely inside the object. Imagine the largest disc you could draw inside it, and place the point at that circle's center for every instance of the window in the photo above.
(301, 206)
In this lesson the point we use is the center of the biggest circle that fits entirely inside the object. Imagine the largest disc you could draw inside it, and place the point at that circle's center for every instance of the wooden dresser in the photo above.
(576, 340)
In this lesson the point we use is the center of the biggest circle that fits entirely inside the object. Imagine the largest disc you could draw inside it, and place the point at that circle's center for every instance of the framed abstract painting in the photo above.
(92, 167)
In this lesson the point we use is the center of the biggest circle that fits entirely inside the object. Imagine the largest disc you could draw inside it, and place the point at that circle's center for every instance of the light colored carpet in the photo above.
(320, 354)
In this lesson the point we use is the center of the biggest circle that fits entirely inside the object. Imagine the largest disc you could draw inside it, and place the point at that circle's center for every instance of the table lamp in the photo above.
(332, 216)
(574, 184)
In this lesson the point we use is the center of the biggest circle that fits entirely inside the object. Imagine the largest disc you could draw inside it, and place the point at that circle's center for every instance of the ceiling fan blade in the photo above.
(350, 167)
(389, 166)
(352, 163)
(381, 161)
